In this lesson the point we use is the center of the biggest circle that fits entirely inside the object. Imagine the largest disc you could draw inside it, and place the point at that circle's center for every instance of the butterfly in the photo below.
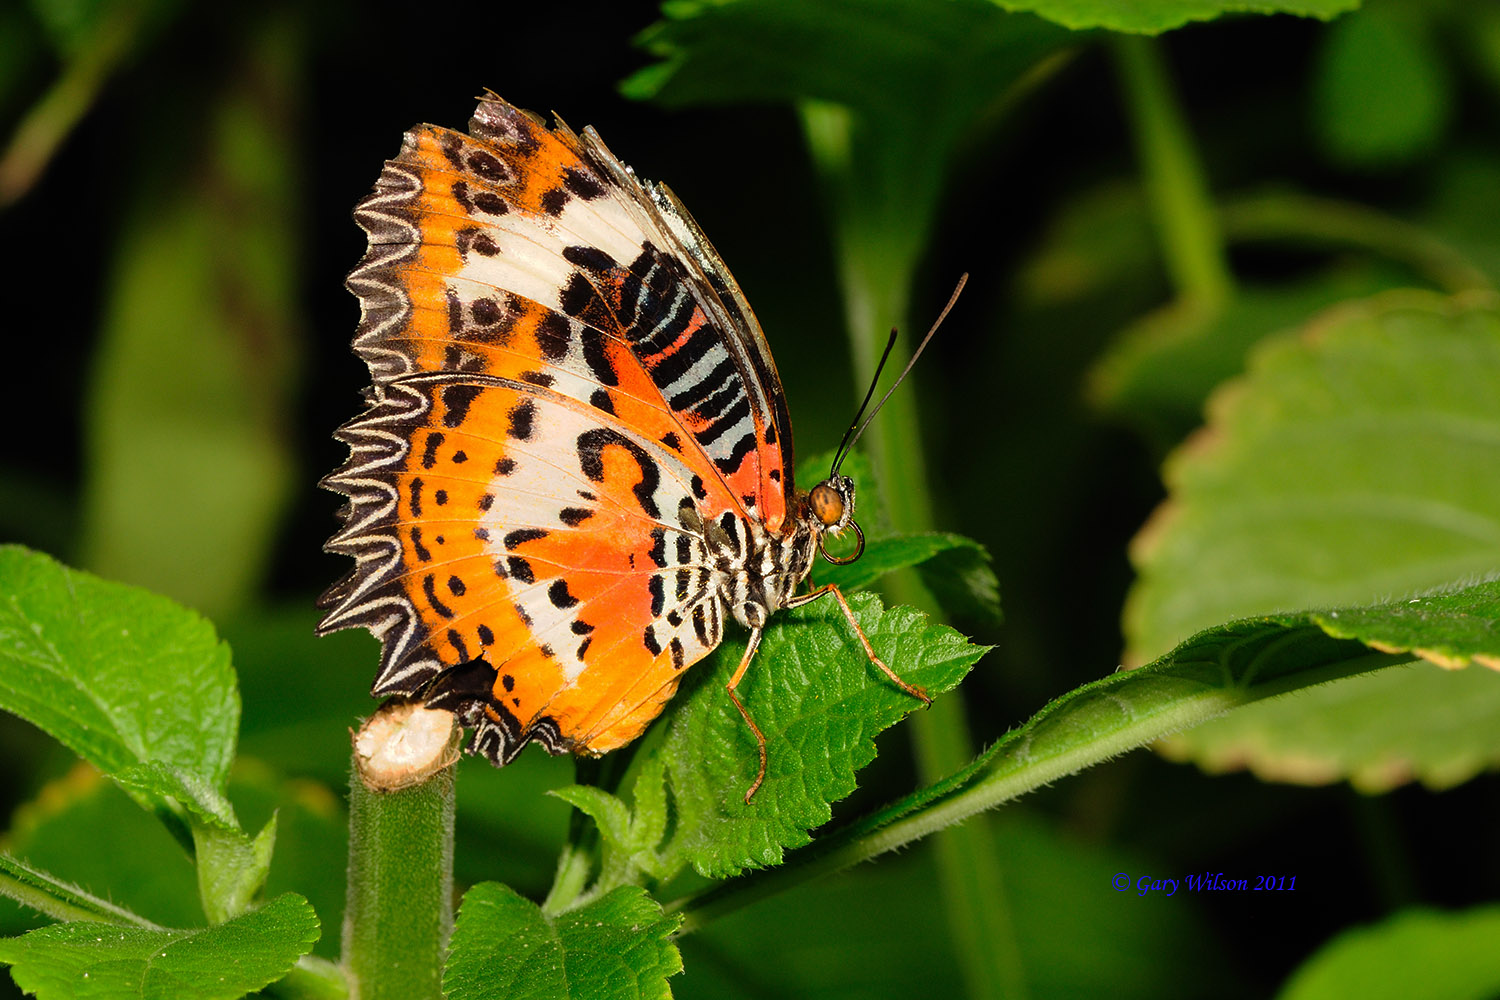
(575, 462)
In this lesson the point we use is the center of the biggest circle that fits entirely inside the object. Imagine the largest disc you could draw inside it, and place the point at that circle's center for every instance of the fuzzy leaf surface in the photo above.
(88, 961)
(119, 675)
(617, 948)
(820, 703)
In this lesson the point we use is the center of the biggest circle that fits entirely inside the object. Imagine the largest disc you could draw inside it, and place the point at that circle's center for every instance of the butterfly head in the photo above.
(830, 507)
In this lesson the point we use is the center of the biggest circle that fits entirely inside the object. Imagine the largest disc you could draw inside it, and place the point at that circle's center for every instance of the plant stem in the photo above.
(1294, 217)
(877, 249)
(1191, 244)
(399, 912)
(49, 121)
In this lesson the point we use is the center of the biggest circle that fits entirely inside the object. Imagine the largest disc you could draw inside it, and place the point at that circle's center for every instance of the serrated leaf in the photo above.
(1150, 17)
(1351, 464)
(616, 947)
(86, 961)
(820, 702)
(1415, 955)
(119, 675)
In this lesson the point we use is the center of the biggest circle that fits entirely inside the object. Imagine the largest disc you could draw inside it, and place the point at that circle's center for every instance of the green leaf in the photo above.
(1416, 955)
(820, 702)
(119, 675)
(188, 464)
(1382, 95)
(1150, 17)
(1226, 667)
(1355, 462)
(87, 961)
(232, 866)
(616, 947)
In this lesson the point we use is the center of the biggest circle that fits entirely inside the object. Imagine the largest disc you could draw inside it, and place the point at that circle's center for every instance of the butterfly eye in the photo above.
(826, 504)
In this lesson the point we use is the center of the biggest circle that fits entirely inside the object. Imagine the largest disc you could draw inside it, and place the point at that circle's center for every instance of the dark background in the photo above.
(1018, 458)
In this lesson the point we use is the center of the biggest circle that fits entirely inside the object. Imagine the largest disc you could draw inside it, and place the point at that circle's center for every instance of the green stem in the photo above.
(399, 912)
(1017, 764)
(877, 252)
(52, 897)
(312, 978)
(1289, 216)
(1191, 243)
(49, 121)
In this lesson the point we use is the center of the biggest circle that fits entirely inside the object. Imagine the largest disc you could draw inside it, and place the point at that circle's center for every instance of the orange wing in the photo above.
(548, 578)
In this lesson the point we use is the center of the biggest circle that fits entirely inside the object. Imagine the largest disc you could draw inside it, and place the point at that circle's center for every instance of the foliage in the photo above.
(1259, 300)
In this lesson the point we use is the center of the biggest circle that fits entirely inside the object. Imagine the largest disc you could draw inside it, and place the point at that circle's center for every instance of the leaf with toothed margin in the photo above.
(820, 703)
(89, 961)
(119, 675)
(503, 945)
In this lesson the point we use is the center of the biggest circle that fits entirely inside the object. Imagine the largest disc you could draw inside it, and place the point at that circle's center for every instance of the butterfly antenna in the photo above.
(847, 445)
(838, 456)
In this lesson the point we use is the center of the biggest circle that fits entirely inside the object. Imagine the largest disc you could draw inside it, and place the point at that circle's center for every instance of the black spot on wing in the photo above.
(522, 416)
(593, 258)
(574, 516)
(558, 594)
(429, 589)
(582, 184)
(591, 445)
(429, 449)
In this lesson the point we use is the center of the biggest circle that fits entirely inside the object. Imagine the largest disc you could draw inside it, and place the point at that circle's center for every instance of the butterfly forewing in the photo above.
(566, 385)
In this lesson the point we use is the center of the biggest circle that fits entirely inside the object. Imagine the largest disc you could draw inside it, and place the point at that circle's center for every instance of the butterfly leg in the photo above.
(760, 740)
(832, 588)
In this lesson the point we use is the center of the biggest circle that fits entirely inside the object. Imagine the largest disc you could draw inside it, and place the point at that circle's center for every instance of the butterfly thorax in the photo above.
(756, 572)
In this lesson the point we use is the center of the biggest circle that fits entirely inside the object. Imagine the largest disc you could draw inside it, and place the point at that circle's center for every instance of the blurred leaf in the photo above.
(1160, 369)
(188, 469)
(93, 38)
(616, 947)
(82, 961)
(820, 702)
(61, 832)
(1150, 17)
(1415, 955)
(833, 938)
(119, 675)
(301, 692)
(1353, 462)
(21, 52)
(1382, 95)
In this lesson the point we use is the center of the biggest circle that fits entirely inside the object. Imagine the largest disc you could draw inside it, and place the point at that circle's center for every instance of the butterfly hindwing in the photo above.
(567, 386)
(556, 548)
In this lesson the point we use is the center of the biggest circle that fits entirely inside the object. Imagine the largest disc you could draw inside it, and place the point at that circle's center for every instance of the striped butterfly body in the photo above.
(575, 462)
